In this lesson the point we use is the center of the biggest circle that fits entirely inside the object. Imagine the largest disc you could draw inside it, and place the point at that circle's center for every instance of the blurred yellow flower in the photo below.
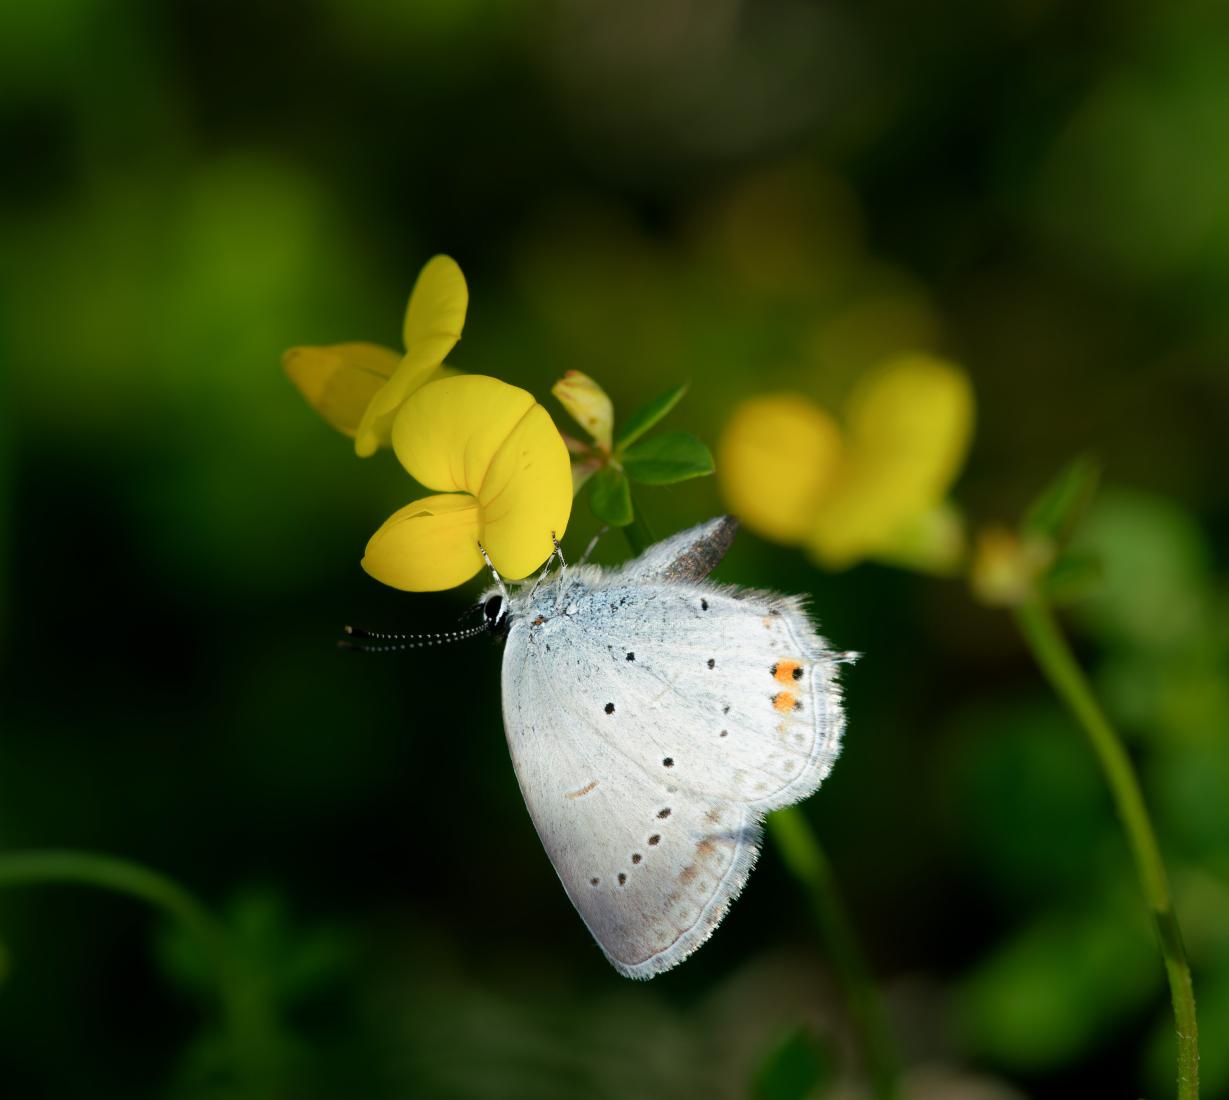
(872, 487)
(501, 475)
(776, 461)
(359, 388)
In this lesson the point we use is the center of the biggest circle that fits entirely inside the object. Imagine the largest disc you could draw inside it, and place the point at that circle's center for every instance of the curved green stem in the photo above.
(243, 1008)
(87, 869)
(1052, 653)
(807, 862)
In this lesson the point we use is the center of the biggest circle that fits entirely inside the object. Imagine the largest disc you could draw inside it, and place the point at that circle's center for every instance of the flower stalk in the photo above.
(810, 868)
(808, 863)
(1050, 649)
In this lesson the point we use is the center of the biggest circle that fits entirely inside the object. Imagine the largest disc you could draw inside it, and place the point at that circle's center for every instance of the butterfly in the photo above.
(653, 719)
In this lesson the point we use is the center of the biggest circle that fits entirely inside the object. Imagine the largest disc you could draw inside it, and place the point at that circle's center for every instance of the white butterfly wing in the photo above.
(689, 555)
(651, 726)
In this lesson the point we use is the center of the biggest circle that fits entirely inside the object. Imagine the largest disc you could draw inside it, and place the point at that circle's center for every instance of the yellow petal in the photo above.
(339, 381)
(433, 323)
(478, 435)
(436, 313)
(932, 541)
(427, 546)
(588, 404)
(907, 429)
(376, 426)
(448, 433)
(526, 495)
(777, 457)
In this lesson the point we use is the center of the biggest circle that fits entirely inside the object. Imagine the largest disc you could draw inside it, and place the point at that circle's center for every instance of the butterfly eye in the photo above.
(493, 611)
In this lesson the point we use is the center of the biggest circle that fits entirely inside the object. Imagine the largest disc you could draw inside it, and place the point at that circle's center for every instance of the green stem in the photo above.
(1050, 649)
(807, 862)
(243, 1012)
(638, 533)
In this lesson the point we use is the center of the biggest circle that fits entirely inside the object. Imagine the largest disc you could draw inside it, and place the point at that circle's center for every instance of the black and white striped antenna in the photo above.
(394, 643)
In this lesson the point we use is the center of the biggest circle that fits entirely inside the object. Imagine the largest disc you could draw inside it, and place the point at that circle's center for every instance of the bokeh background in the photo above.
(747, 195)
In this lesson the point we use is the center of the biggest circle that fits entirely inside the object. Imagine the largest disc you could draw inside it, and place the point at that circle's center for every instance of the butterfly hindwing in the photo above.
(651, 725)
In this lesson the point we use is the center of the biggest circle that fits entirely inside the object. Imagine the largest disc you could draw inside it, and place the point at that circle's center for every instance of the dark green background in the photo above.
(189, 188)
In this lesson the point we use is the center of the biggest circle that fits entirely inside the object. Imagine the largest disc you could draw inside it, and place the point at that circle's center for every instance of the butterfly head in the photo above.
(495, 613)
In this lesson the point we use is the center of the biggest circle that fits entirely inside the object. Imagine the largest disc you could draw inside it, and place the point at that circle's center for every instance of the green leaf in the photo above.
(1055, 513)
(794, 1069)
(645, 417)
(1058, 987)
(667, 458)
(1072, 577)
(610, 497)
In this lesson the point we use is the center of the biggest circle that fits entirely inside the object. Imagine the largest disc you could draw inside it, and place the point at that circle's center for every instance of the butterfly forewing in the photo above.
(651, 726)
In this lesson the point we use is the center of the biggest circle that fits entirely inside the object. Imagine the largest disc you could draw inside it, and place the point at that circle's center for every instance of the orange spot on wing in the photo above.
(786, 672)
(783, 701)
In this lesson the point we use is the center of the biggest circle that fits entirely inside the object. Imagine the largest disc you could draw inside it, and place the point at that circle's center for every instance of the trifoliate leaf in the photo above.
(667, 458)
(610, 497)
(1055, 513)
(645, 417)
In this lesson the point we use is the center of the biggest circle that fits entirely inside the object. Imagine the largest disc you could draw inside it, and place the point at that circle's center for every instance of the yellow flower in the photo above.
(777, 459)
(501, 476)
(873, 487)
(359, 388)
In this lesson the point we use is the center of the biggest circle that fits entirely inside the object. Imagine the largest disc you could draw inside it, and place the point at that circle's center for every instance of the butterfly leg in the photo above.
(563, 565)
(593, 544)
(541, 576)
(499, 581)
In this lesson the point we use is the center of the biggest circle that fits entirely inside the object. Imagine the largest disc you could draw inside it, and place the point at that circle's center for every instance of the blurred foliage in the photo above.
(755, 198)
(796, 1067)
(286, 974)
